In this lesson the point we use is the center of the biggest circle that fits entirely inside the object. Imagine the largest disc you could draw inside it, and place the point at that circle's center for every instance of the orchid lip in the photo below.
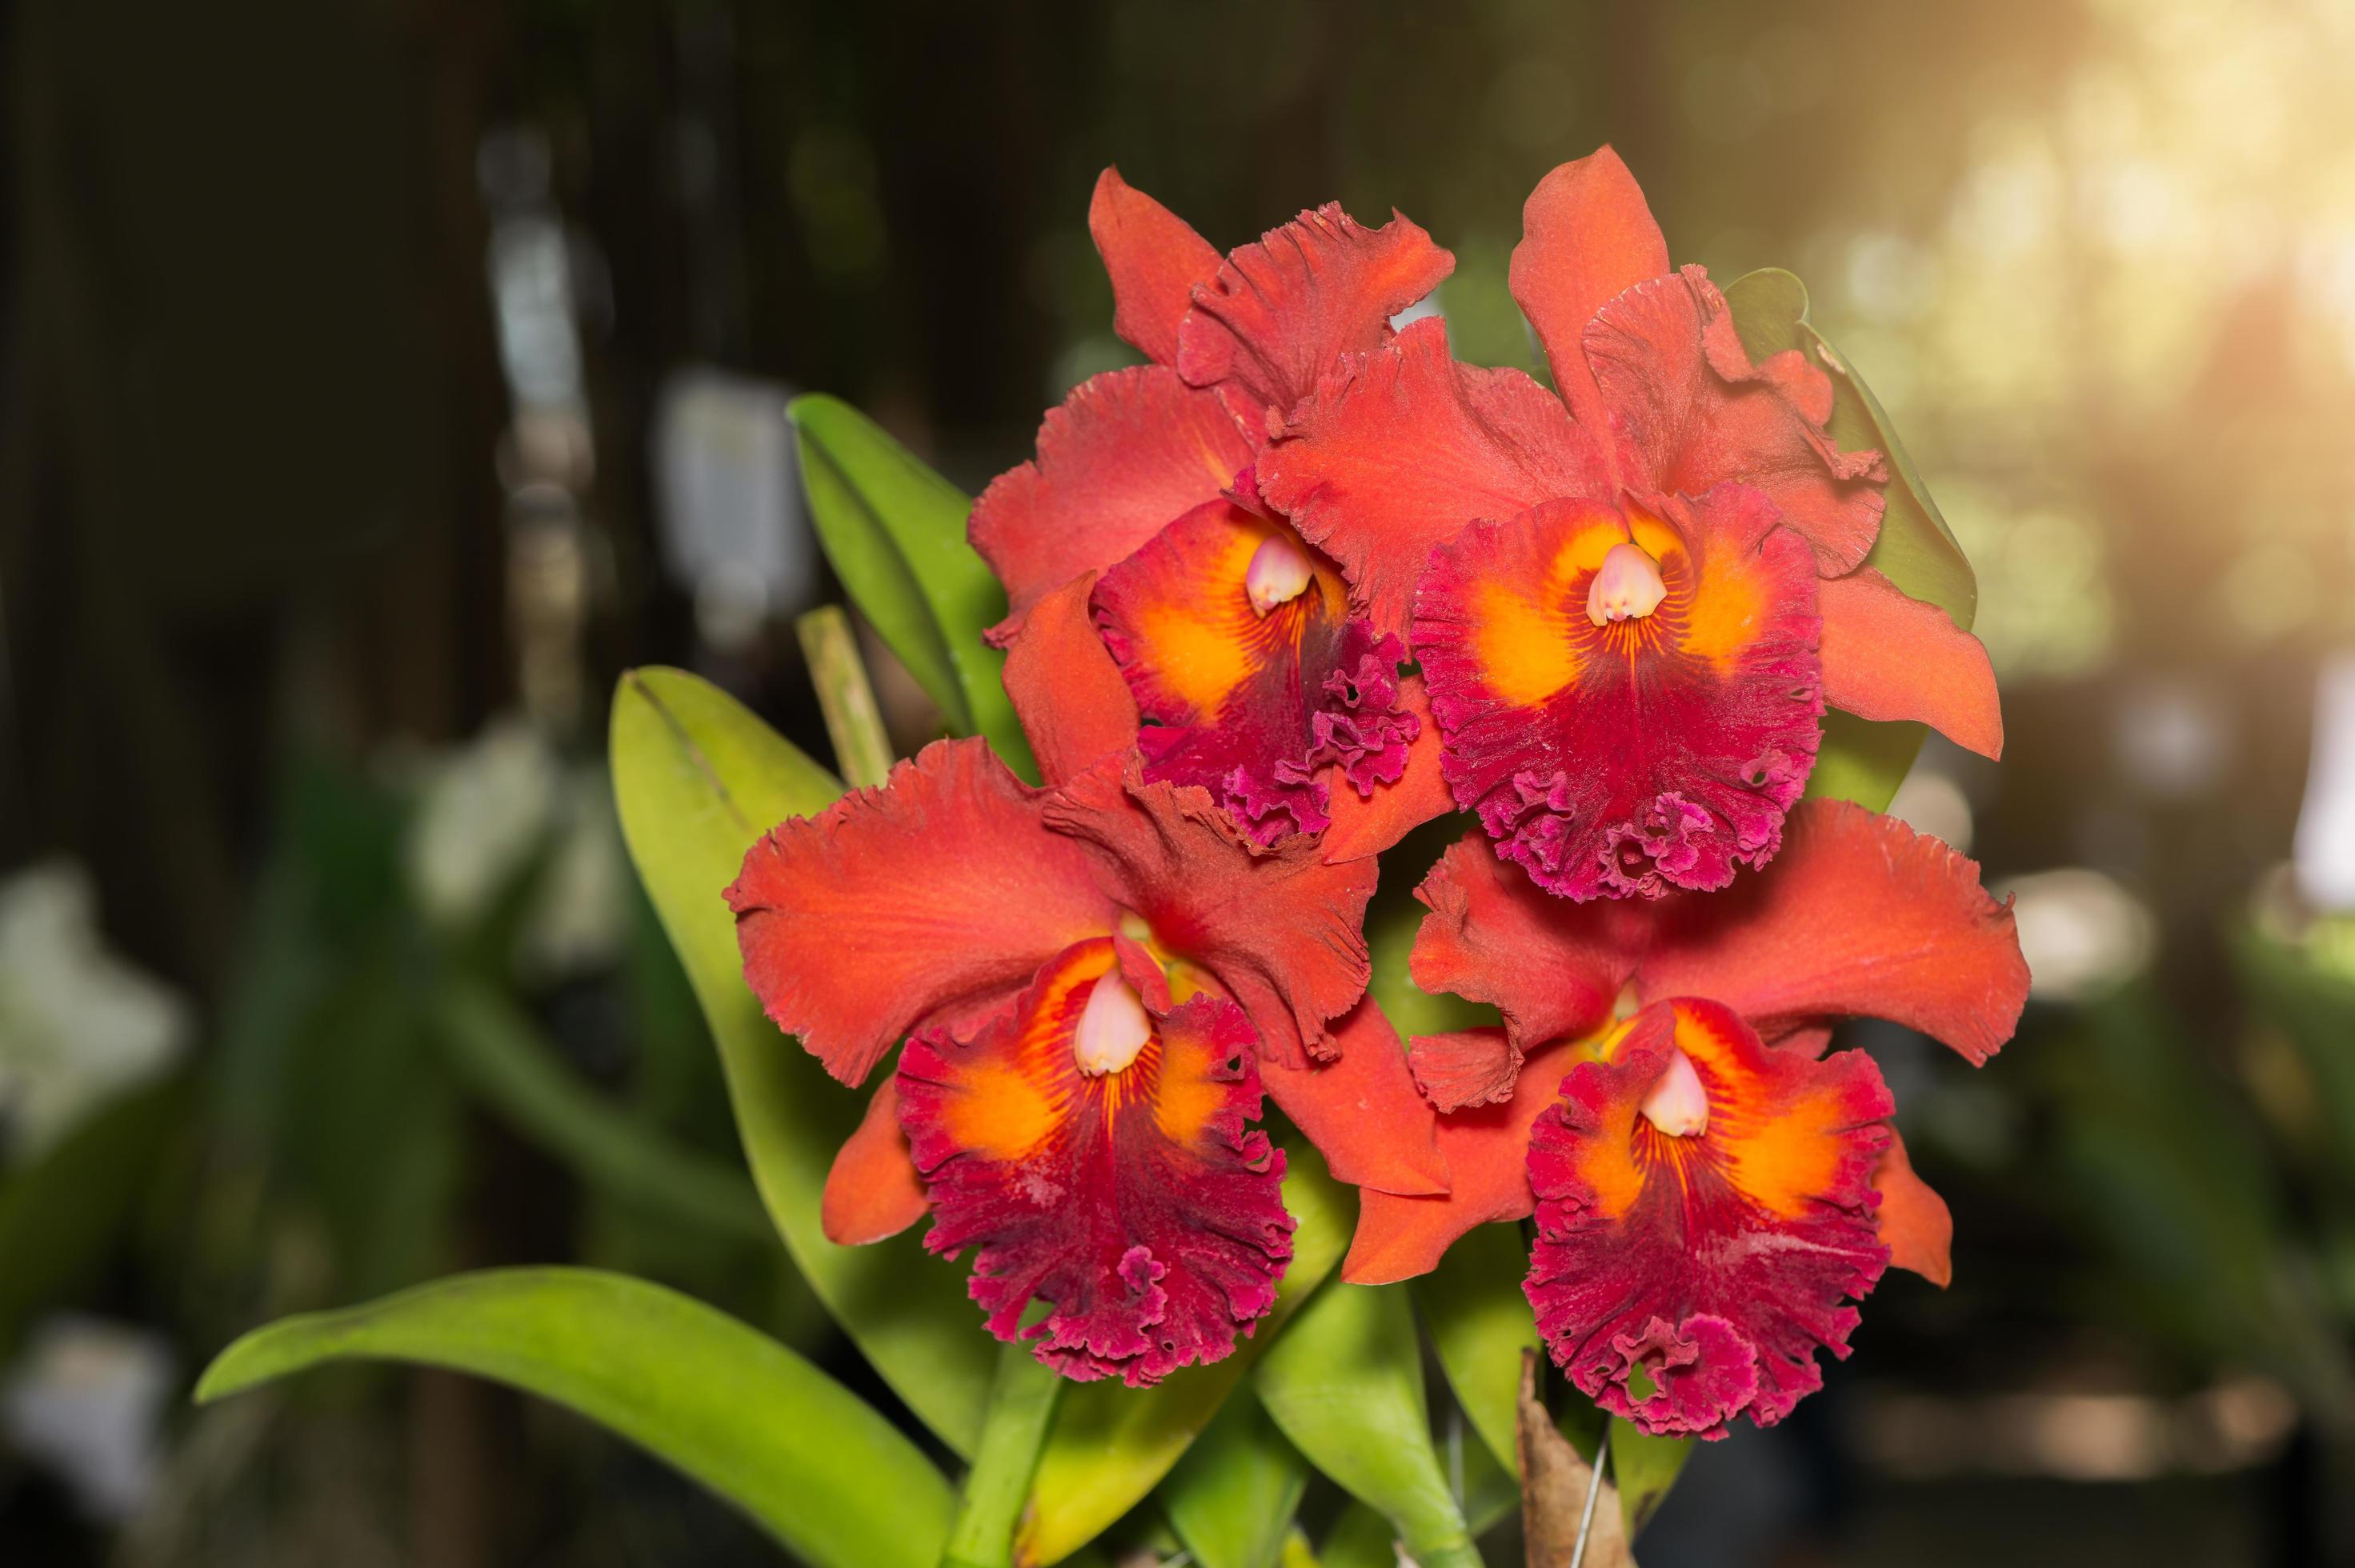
(1113, 1027)
(1626, 586)
(1678, 1103)
(1279, 573)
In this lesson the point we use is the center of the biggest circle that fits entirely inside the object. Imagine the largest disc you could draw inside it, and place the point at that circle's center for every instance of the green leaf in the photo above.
(61, 1213)
(698, 780)
(1861, 760)
(1480, 1323)
(895, 532)
(818, 1469)
(1111, 1446)
(1643, 1469)
(1360, 1538)
(1345, 1385)
(1233, 1498)
(502, 1056)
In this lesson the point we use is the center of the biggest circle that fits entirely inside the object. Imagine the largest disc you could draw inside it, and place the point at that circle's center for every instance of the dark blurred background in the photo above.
(382, 377)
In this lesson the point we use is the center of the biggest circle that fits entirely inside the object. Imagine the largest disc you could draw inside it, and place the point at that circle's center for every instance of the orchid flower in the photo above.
(1136, 537)
(1096, 981)
(1709, 1187)
(1631, 601)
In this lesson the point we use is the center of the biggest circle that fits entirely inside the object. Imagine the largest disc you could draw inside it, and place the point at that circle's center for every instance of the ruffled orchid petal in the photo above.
(1127, 451)
(1398, 450)
(1587, 236)
(1278, 311)
(931, 900)
(1138, 1203)
(1690, 412)
(1486, 1149)
(1886, 656)
(1253, 708)
(1861, 917)
(1280, 929)
(1644, 753)
(1360, 1109)
(1717, 1261)
(872, 1189)
(1153, 259)
(1367, 824)
(1913, 1221)
(1073, 700)
(1553, 969)
(1468, 1067)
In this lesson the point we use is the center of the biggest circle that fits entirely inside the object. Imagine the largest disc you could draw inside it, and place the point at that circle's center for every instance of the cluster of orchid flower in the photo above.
(1297, 585)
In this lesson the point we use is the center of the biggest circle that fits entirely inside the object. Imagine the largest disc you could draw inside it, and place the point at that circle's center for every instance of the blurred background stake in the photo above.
(853, 721)
(1022, 1399)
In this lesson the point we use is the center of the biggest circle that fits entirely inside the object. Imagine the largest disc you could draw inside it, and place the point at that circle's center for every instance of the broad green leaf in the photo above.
(1480, 1323)
(1643, 1469)
(1111, 1446)
(816, 1467)
(895, 532)
(1360, 1538)
(698, 780)
(501, 1054)
(1233, 1498)
(61, 1213)
(1861, 760)
(1345, 1385)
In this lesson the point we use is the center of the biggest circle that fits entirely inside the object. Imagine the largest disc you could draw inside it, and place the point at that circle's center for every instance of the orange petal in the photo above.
(1280, 929)
(1914, 1224)
(1153, 259)
(931, 900)
(1587, 234)
(1400, 448)
(1889, 657)
(1070, 696)
(1281, 311)
(1690, 412)
(1127, 451)
(1486, 1149)
(872, 1191)
(1553, 968)
(1859, 916)
(1361, 1110)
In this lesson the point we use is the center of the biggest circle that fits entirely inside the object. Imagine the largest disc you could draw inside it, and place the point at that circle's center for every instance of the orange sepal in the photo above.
(1361, 1110)
(1587, 234)
(1915, 1225)
(1073, 703)
(1886, 656)
(1153, 259)
(872, 1189)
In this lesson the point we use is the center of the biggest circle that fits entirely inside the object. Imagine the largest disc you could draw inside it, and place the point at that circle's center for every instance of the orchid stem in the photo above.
(1022, 1398)
(853, 721)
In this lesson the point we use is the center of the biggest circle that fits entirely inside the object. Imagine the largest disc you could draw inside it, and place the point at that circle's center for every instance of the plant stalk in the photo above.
(853, 720)
(1022, 1398)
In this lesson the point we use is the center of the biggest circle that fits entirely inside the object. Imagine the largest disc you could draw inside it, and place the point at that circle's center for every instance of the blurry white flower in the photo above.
(2081, 933)
(579, 917)
(86, 1402)
(487, 808)
(77, 1023)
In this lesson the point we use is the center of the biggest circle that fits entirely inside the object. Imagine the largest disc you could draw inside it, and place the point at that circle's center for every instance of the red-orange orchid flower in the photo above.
(1631, 602)
(1709, 1187)
(1242, 668)
(1095, 980)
